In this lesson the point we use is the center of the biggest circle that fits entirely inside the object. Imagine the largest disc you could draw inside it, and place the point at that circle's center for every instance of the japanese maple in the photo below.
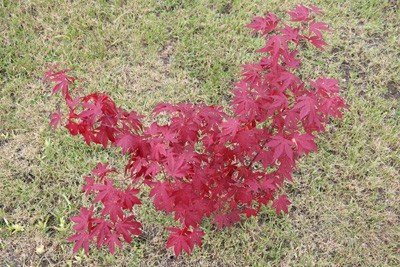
(205, 162)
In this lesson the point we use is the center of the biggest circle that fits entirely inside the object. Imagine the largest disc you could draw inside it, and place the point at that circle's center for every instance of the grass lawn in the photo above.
(346, 197)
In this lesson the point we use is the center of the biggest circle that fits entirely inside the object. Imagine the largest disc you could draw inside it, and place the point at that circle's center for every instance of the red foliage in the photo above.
(204, 163)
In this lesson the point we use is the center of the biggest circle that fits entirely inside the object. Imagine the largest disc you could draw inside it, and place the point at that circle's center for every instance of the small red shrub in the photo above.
(204, 163)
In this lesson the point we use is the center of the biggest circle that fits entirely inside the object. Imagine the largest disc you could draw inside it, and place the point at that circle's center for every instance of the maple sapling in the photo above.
(204, 162)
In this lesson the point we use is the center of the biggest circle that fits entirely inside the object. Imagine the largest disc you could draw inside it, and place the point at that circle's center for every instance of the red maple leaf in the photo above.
(177, 166)
(304, 143)
(50, 72)
(128, 198)
(162, 196)
(252, 74)
(128, 226)
(88, 187)
(106, 190)
(291, 119)
(306, 105)
(183, 239)
(55, 119)
(102, 170)
(157, 149)
(243, 104)
(134, 120)
(264, 25)
(114, 208)
(91, 112)
(81, 240)
(63, 82)
(291, 34)
(72, 103)
(281, 204)
(250, 212)
(317, 27)
(87, 133)
(72, 127)
(289, 58)
(318, 42)
(112, 240)
(274, 46)
(326, 85)
(268, 182)
(229, 128)
(281, 146)
(180, 241)
(127, 141)
(101, 230)
(83, 222)
(83, 225)
(226, 220)
(300, 13)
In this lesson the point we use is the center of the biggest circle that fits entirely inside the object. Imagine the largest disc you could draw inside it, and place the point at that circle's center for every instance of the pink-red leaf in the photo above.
(102, 170)
(264, 25)
(128, 142)
(300, 13)
(102, 230)
(318, 42)
(281, 146)
(112, 240)
(82, 240)
(83, 222)
(55, 119)
(304, 143)
(128, 227)
(280, 204)
(317, 27)
(183, 239)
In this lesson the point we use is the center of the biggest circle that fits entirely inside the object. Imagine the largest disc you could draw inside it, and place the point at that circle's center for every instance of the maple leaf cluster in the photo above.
(206, 162)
